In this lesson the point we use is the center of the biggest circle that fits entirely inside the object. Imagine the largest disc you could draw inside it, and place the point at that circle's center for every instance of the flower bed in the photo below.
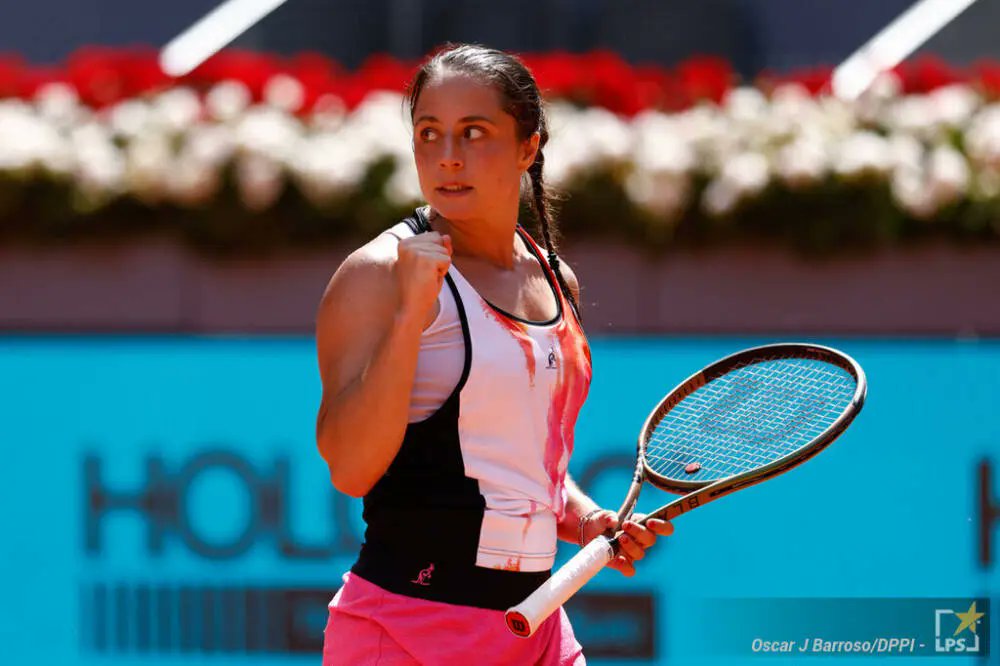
(252, 153)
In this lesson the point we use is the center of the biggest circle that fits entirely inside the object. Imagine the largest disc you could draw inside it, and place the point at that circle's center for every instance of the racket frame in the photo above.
(697, 493)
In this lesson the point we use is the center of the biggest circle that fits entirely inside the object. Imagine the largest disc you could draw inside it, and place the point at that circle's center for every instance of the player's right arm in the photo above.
(368, 329)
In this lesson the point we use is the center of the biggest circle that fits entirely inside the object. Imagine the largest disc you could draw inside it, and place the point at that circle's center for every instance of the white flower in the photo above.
(871, 104)
(665, 194)
(193, 182)
(213, 145)
(792, 98)
(99, 165)
(749, 172)
(270, 133)
(28, 141)
(404, 186)
(801, 163)
(584, 140)
(745, 104)
(379, 125)
(954, 105)
(177, 108)
(328, 113)
(863, 153)
(331, 164)
(982, 140)
(905, 152)
(923, 191)
(658, 146)
(148, 164)
(284, 92)
(712, 136)
(60, 104)
(741, 178)
(720, 198)
(948, 175)
(130, 118)
(259, 180)
(924, 116)
(227, 100)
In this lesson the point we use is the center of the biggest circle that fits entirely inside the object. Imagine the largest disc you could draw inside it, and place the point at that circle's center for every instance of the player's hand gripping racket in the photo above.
(740, 421)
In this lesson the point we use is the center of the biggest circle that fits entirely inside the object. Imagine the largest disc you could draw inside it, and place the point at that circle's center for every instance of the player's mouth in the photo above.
(454, 189)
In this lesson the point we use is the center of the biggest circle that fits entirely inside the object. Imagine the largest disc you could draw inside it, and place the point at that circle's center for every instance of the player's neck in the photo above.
(491, 240)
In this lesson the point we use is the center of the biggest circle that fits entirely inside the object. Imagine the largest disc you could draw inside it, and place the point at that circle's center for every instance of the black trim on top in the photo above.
(420, 220)
(418, 224)
(550, 275)
(553, 287)
(466, 336)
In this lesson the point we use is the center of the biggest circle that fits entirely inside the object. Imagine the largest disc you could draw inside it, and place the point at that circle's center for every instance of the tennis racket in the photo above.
(743, 419)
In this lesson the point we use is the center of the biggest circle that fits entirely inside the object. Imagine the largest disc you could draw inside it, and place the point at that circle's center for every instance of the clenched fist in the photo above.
(423, 261)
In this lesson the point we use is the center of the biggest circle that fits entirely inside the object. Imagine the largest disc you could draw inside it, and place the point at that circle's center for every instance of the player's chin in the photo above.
(454, 206)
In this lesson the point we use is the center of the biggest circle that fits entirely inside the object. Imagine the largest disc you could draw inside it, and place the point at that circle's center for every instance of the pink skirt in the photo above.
(369, 626)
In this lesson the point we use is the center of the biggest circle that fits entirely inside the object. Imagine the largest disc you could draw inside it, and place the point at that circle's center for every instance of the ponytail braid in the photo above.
(543, 209)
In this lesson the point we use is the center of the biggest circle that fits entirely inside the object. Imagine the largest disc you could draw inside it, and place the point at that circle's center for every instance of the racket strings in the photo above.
(749, 417)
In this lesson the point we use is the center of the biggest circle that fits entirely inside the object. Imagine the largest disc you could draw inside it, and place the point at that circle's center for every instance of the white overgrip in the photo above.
(525, 618)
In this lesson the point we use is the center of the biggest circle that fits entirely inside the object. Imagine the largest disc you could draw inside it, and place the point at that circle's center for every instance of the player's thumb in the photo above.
(609, 522)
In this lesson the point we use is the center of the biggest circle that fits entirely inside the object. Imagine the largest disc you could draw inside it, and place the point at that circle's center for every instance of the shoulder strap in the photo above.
(418, 222)
(549, 267)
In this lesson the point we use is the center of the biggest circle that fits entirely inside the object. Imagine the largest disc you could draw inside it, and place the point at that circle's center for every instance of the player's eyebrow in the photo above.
(466, 119)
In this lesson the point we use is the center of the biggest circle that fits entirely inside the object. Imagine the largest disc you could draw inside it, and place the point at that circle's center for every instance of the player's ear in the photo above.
(527, 151)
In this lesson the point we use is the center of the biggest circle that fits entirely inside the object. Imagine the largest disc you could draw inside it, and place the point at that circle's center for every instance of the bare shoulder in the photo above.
(355, 311)
(367, 270)
(360, 297)
(571, 280)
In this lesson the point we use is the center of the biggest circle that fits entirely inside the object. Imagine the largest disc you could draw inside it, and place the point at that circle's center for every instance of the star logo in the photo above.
(969, 618)
(964, 638)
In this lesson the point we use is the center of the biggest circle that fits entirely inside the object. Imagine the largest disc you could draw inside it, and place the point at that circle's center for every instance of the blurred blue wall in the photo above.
(163, 502)
(754, 34)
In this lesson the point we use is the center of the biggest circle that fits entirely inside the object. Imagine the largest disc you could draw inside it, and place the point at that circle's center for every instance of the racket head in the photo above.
(755, 413)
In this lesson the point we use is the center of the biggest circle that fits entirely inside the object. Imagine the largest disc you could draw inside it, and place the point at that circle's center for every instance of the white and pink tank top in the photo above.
(483, 465)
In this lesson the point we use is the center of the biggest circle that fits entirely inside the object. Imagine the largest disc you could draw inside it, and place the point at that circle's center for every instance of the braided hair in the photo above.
(522, 100)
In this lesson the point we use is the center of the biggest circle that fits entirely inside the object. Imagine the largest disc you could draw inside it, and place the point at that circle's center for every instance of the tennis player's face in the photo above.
(468, 156)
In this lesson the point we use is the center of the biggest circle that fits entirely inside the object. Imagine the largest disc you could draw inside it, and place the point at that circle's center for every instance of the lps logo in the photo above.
(956, 632)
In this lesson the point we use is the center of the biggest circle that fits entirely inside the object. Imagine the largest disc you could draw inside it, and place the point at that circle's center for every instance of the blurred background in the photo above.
(178, 181)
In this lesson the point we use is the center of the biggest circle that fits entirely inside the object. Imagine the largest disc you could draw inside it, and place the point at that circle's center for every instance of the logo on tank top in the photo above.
(423, 578)
(553, 360)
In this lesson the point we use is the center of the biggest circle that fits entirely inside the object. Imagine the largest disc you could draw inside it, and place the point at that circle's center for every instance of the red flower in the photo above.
(987, 74)
(816, 79)
(96, 74)
(705, 78)
(927, 73)
(12, 73)
(252, 69)
(557, 74)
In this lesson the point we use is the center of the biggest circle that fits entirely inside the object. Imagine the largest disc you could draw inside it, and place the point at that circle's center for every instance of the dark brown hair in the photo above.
(522, 100)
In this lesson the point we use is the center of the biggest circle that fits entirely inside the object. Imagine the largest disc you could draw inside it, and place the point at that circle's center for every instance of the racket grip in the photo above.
(525, 618)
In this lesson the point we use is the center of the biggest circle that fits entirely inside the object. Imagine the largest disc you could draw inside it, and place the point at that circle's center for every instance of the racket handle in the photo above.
(525, 618)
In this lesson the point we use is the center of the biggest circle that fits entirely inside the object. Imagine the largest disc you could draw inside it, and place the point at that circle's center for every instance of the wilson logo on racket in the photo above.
(744, 419)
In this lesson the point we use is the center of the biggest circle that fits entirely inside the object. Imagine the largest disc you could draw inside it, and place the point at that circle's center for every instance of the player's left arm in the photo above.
(596, 520)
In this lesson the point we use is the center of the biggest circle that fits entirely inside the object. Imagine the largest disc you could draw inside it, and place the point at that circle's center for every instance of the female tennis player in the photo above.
(454, 365)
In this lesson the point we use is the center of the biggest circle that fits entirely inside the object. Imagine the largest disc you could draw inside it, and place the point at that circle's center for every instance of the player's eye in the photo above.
(428, 134)
(474, 132)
